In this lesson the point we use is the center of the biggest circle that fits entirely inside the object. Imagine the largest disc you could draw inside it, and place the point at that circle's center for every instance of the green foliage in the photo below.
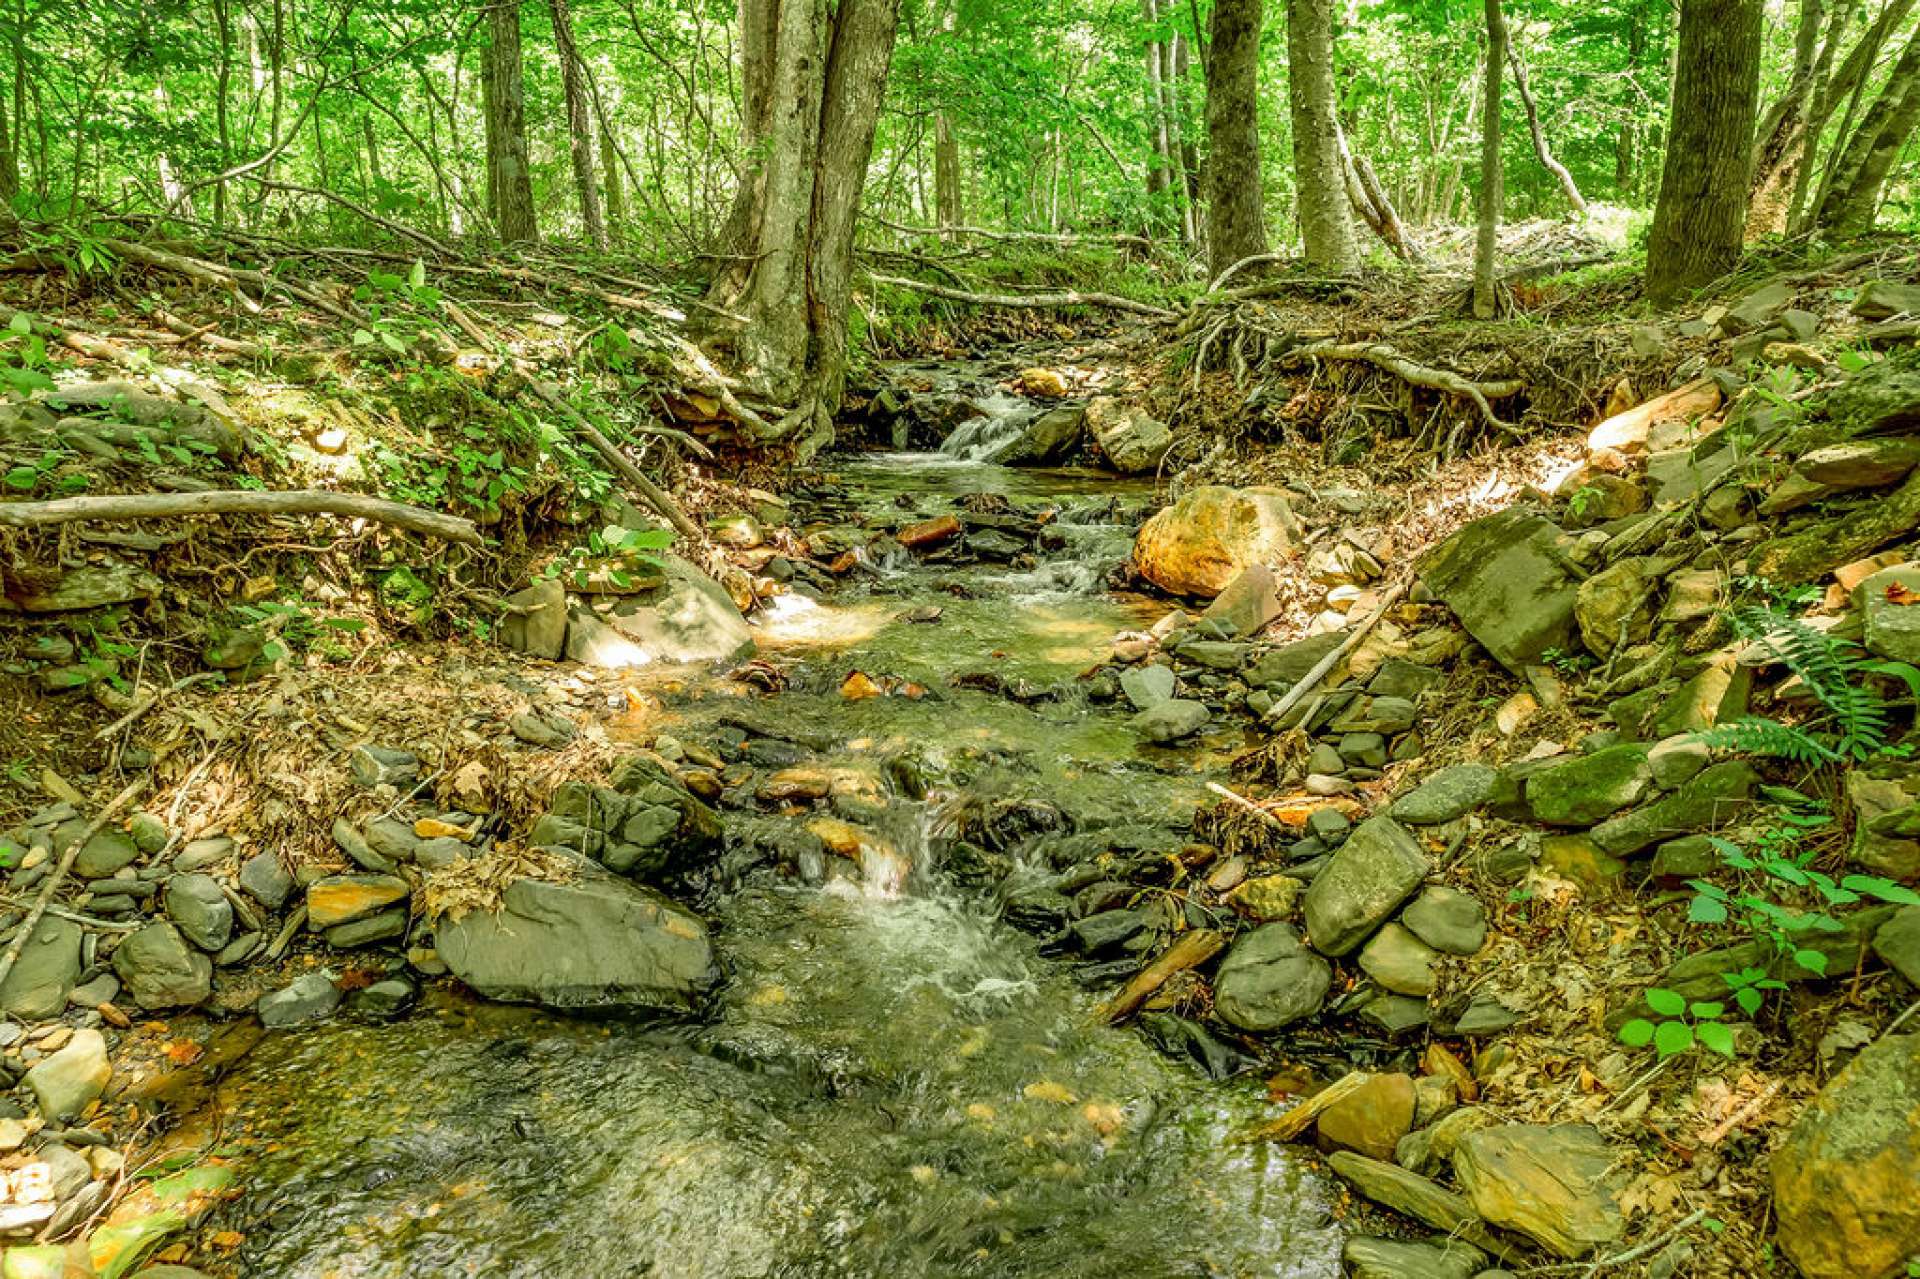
(1681, 1027)
(401, 311)
(23, 357)
(618, 552)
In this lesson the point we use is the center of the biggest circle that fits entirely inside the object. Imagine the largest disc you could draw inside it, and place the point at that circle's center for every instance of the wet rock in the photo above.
(1843, 1181)
(1266, 898)
(1212, 534)
(311, 997)
(1450, 793)
(1447, 920)
(1590, 788)
(536, 620)
(160, 970)
(383, 999)
(1552, 1184)
(1131, 440)
(1269, 980)
(48, 966)
(340, 899)
(1399, 961)
(66, 1083)
(597, 941)
(1897, 942)
(1107, 930)
(1714, 797)
(1249, 602)
(1171, 720)
(1049, 440)
(383, 766)
(1889, 598)
(265, 878)
(688, 618)
(1505, 579)
(1372, 1118)
(1414, 1196)
(1378, 868)
(1369, 1258)
(199, 910)
(1147, 686)
(929, 533)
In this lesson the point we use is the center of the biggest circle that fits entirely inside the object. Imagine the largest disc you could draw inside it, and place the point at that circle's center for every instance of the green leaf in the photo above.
(1672, 1037)
(1811, 960)
(417, 276)
(1716, 1037)
(362, 337)
(1705, 910)
(1707, 1010)
(1637, 1033)
(21, 323)
(22, 478)
(1749, 1000)
(1665, 1002)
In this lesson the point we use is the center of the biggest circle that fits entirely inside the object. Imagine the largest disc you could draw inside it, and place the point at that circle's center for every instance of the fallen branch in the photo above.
(225, 277)
(153, 699)
(1311, 680)
(656, 496)
(1032, 301)
(45, 899)
(1062, 239)
(1382, 356)
(206, 336)
(420, 238)
(1301, 1117)
(119, 507)
(74, 916)
(1194, 948)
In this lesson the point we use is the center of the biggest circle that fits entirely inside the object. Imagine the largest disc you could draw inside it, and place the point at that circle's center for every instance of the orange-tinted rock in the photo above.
(1211, 535)
(1372, 1118)
(930, 532)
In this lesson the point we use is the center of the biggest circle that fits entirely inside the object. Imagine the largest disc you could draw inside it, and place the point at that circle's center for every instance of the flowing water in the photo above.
(892, 1083)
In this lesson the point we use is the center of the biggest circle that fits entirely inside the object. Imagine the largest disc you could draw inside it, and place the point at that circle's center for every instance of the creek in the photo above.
(892, 1081)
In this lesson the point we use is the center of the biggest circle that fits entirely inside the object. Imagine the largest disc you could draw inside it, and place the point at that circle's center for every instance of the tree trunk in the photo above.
(813, 80)
(946, 173)
(1848, 82)
(1185, 149)
(509, 176)
(610, 174)
(1486, 288)
(222, 81)
(1782, 133)
(9, 166)
(1863, 167)
(1160, 174)
(1624, 140)
(579, 125)
(1541, 151)
(1322, 190)
(1236, 220)
(1702, 210)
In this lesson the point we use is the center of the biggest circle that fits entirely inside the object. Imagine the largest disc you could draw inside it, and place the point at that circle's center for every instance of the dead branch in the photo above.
(1032, 237)
(1382, 356)
(1193, 948)
(45, 899)
(420, 238)
(225, 277)
(116, 507)
(1034, 301)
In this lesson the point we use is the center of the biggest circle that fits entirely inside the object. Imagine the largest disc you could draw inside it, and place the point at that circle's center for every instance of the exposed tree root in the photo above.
(119, 507)
(1382, 356)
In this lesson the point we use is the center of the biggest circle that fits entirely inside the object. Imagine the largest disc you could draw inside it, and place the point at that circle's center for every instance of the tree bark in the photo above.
(813, 80)
(1486, 285)
(947, 209)
(1236, 218)
(610, 174)
(579, 125)
(1869, 155)
(9, 166)
(509, 175)
(1848, 82)
(1701, 213)
(1325, 229)
(1782, 136)
(1541, 151)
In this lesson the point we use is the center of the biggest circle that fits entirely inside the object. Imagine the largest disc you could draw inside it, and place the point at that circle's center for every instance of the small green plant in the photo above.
(29, 477)
(23, 357)
(1583, 497)
(1682, 1024)
(1565, 663)
(616, 551)
(387, 296)
(1749, 988)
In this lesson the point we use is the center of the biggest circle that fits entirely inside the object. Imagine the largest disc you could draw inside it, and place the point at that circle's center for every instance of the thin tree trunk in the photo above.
(1624, 140)
(512, 177)
(1869, 155)
(223, 77)
(1782, 133)
(1486, 295)
(1702, 210)
(1236, 210)
(1849, 82)
(375, 174)
(1321, 186)
(1185, 148)
(1160, 174)
(610, 175)
(9, 166)
(948, 209)
(579, 125)
(1541, 151)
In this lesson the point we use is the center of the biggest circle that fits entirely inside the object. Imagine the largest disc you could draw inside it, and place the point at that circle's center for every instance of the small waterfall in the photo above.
(1003, 418)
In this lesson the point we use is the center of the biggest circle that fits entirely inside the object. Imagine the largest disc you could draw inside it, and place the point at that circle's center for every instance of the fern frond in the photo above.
(1753, 735)
(1832, 670)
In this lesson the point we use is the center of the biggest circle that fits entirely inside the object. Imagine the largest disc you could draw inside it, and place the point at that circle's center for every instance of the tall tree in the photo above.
(1782, 134)
(1541, 150)
(1486, 287)
(579, 124)
(1868, 157)
(947, 200)
(509, 174)
(1320, 184)
(813, 76)
(1236, 218)
(1701, 212)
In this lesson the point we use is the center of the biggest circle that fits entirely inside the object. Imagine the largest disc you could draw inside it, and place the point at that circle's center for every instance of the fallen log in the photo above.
(119, 507)
(1382, 356)
(1029, 301)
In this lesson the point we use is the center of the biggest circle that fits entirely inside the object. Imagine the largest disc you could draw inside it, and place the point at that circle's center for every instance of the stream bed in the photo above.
(893, 1082)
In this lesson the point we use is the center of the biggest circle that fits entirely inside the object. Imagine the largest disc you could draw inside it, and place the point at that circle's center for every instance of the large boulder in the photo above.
(1553, 1184)
(594, 942)
(1590, 788)
(1506, 580)
(1049, 440)
(160, 970)
(1844, 1182)
(689, 617)
(1131, 440)
(1358, 890)
(1269, 980)
(1201, 543)
(49, 965)
(536, 620)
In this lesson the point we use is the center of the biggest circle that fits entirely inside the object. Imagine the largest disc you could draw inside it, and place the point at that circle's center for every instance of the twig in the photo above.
(1247, 804)
(1719, 1131)
(1312, 678)
(1296, 1121)
(90, 921)
(45, 899)
(1634, 1253)
(153, 700)
(1194, 948)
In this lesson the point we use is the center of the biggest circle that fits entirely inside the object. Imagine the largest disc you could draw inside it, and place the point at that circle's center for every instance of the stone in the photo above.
(1897, 943)
(927, 533)
(66, 1083)
(1265, 898)
(1397, 677)
(689, 617)
(160, 970)
(1884, 299)
(1171, 720)
(198, 854)
(1269, 980)
(1677, 760)
(1369, 1258)
(1506, 580)
(91, 994)
(1810, 551)
(1447, 920)
(1368, 750)
(1578, 858)
(1372, 1118)
(1281, 668)
(149, 833)
(199, 910)
(1217, 655)
(1757, 309)
(1051, 439)
(1879, 851)
(104, 853)
(1399, 961)
(1844, 1178)
(1394, 1015)
(596, 941)
(373, 766)
(384, 926)
(534, 620)
(1147, 686)
(265, 878)
(87, 586)
(1891, 602)
(1449, 793)
(339, 899)
(1212, 534)
(1693, 595)
(1627, 433)
(1249, 602)
(1131, 440)
(1714, 695)
(1329, 825)
(1433, 1096)
(1590, 788)
(1860, 464)
(1361, 886)
(1615, 606)
(383, 999)
(1601, 498)
(1553, 1184)
(310, 997)
(1712, 798)
(1689, 857)
(1416, 1196)
(48, 966)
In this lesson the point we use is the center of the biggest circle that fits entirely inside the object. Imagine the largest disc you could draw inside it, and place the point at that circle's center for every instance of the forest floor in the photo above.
(234, 671)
